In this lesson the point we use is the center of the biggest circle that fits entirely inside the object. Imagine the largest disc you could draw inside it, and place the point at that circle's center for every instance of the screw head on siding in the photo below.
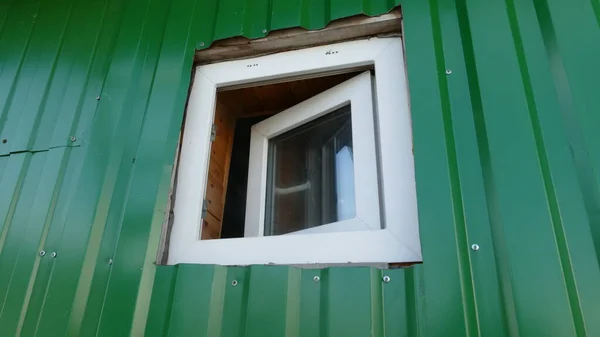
(73, 138)
(53, 254)
(264, 31)
(110, 262)
(97, 98)
(448, 71)
(316, 279)
(201, 44)
(475, 247)
(386, 279)
(234, 283)
(42, 253)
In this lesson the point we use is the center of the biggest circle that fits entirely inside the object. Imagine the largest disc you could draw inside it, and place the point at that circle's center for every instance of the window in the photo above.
(329, 179)
(302, 165)
(318, 190)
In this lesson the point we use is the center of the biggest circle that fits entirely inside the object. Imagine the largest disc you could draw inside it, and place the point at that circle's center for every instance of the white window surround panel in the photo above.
(397, 242)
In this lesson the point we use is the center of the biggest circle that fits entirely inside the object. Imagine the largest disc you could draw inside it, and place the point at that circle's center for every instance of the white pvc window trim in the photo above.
(397, 241)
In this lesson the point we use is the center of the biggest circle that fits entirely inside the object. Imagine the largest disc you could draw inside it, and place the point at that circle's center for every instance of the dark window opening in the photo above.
(235, 199)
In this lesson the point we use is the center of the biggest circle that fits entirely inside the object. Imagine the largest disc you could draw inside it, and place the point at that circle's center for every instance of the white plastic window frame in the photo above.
(397, 240)
(358, 93)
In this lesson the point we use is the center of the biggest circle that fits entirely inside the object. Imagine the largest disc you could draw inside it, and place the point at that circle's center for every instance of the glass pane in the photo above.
(311, 175)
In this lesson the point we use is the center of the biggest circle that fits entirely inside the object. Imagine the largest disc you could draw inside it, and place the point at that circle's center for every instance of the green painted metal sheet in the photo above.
(504, 107)
(281, 301)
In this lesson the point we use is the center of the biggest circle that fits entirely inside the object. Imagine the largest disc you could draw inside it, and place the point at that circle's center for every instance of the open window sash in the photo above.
(355, 168)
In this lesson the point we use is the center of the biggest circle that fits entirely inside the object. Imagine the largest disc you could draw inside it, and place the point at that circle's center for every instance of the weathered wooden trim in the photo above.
(296, 38)
(162, 254)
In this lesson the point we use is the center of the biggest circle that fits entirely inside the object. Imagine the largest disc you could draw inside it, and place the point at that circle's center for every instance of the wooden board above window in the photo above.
(355, 27)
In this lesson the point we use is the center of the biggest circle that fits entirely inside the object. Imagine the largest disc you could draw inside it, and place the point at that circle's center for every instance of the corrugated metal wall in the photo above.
(505, 107)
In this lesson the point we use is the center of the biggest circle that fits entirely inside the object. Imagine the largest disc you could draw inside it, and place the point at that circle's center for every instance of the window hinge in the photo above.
(204, 208)
(213, 132)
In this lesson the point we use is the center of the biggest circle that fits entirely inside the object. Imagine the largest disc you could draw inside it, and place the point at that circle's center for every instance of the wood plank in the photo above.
(275, 96)
(296, 38)
(307, 88)
(260, 113)
(162, 255)
(224, 137)
(218, 170)
(240, 101)
(214, 197)
(211, 228)
(228, 133)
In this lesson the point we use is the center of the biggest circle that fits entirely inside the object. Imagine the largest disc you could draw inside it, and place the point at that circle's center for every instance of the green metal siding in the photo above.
(280, 301)
(505, 108)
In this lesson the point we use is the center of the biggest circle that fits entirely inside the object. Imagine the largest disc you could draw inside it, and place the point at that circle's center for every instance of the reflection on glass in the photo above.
(344, 183)
(310, 178)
